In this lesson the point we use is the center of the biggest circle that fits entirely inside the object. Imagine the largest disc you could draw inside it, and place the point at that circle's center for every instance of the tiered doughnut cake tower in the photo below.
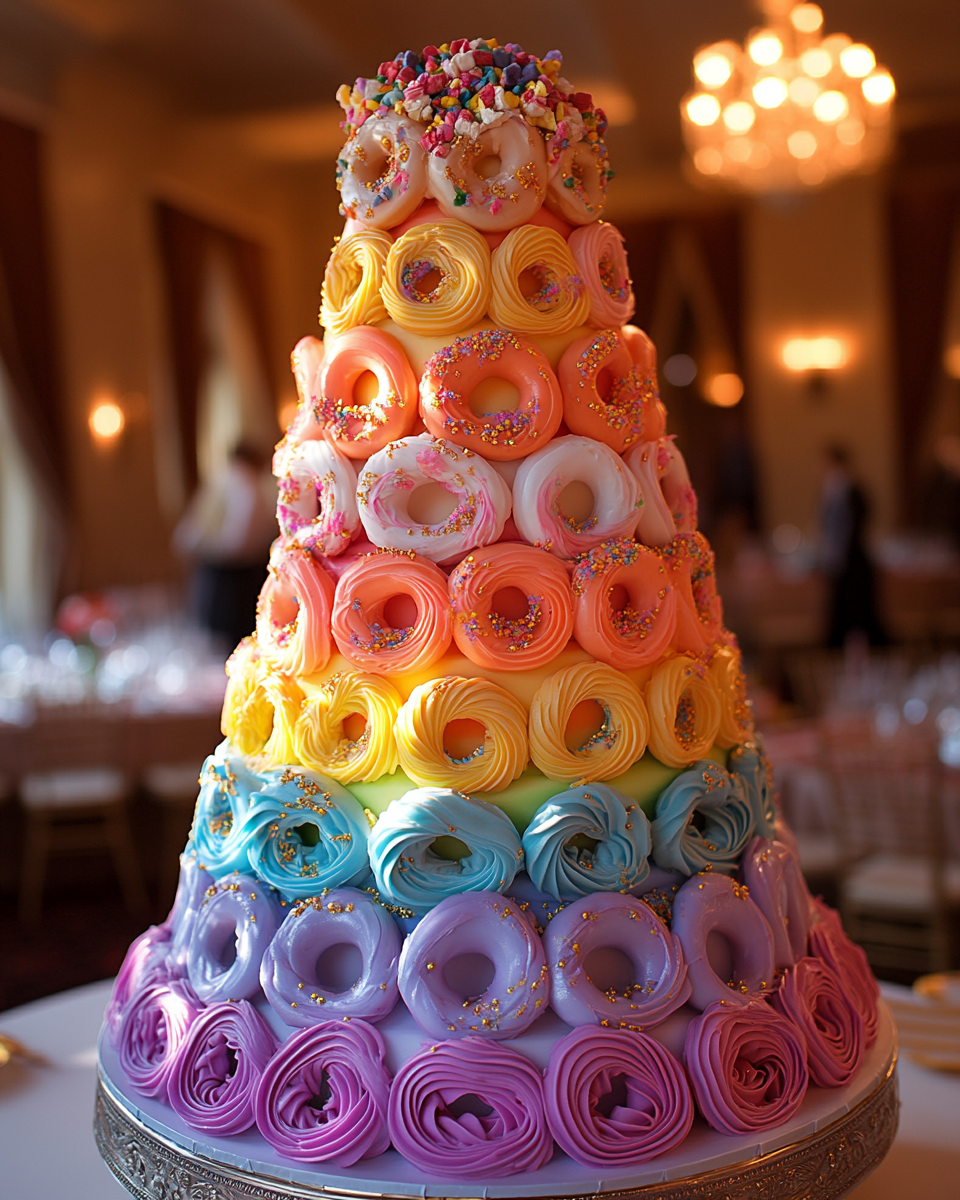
(488, 874)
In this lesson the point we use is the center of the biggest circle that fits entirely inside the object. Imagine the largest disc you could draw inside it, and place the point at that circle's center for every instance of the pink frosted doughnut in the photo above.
(606, 396)
(709, 908)
(669, 501)
(293, 613)
(829, 942)
(577, 190)
(317, 500)
(382, 171)
(451, 375)
(154, 1025)
(306, 359)
(361, 429)
(148, 961)
(599, 253)
(777, 886)
(372, 632)
(644, 355)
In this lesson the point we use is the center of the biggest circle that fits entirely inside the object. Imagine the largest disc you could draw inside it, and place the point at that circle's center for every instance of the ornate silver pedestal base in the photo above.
(824, 1166)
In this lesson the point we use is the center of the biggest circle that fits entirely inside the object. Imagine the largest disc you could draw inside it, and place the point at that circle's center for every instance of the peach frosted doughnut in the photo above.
(382, 171)
(538, 491)
(451, 375)
(437, 278)
(599, 254)
(393, 477)
(736, 718)
(306, 359)
(605, 394)
(260, 707)
(351, 283)
(317, 498)
(644, 355)
(422, 721)
(669, 501)
(494, 180)
(684, 709)
(618, 743)
(537, 287)
(321, 738)
(693, 550)
(293, 612)
(360, 429)
(536, 632)
(577, 190)
(373, 634)
(626, 608)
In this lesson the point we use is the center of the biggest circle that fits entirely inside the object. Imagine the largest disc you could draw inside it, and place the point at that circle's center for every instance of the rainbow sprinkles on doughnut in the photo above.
(490, 733)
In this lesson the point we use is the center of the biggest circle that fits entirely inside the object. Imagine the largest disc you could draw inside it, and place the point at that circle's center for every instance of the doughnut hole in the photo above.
(366, 388)
(401, 611)
(338, 967)
(308, 833)
(224, 954)
(604, 383)
(374, 163)
(450, 848)
(509, 603)
(489, 166)
(720, 955)
(463, 738)
(430, 504)
(618, 598)
(469, 1103)
(583, 841)
(584, 723)
(323, 1092)
(576, 502)
(610, 969)
(354, 725)
(493, 395)
(616, 1097)
(427, 284)
(469, 975)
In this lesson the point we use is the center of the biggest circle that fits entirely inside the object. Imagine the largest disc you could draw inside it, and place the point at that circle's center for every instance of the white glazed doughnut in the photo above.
(317, 501)
(669, 501)
(545, 474)
(577, 190)
(382, 171)
(392, 477)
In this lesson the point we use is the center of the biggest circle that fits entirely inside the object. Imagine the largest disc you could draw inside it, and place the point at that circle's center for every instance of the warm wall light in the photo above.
(106, 420)
(951, 361)
(724, 390)
(813, 354)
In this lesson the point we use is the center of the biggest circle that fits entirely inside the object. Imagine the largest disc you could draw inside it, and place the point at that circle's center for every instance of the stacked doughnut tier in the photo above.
(489, 868)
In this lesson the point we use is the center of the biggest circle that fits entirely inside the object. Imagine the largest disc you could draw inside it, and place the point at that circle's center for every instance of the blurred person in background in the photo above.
(844, 515)
(227, 530)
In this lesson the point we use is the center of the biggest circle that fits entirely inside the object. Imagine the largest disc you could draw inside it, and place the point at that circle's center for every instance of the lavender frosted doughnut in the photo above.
(778, 888)
(615, 1098)
(215, 1075)
(341, 1065)
(191, 891)
(438, 1125)
(747, 1067)
(154, 1025)
(288, 973)
(830, 943)
(608, 920)
(147, 961)
(678, 844)
(812, 997)
(481, 923)
(715, 904)
(749, 765)
(232, 930)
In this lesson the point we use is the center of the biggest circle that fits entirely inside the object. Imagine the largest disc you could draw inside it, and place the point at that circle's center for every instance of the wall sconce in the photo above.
(106, 422)
(814, 357)
(724, 390)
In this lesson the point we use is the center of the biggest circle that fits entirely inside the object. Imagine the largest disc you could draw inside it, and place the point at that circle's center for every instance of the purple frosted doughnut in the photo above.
(323, 1095)
(615, 1098)
(812, 997)
(475, 923)
(469, 1110)
(230, 934)
(829, 942)
(710, 904)
(146, 962)
(191, 891)
(288, 973)
(609, 921)
(747, 1067)
(154, 1025)
(216, 1073)
(778, 889)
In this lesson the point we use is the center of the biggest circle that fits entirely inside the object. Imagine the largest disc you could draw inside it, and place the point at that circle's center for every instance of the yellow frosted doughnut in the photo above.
(260, 707)
(736, 717)
(423, 720)
(617, 744)
(537, 286)
(685, 711)
(320, 735)
(437, 278)
(352, 281)
(285, 697)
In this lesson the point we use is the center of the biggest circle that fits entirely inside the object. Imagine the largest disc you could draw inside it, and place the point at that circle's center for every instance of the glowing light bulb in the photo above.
(802, 144)
(806, 18)
(739, 117)
(816, 62)
(708, 161)
(703, 109)
(879, 87)
(803, 90)
(850, 131)
(770, 92)
(738, 149)
(830, 107)
(857, 60)
(106, 420)
(713, 70)
(724, 390)
(765, 49)
(813, 354)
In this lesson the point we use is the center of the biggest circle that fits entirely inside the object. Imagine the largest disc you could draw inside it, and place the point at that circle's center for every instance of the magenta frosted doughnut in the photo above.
(147, 961)
(475, 923)
(154, 1025)
(829, 942)
(599, 252)
(232, 930)
(813, 998)
(323, 1095)
(342, 917)
(615, 1098)
(712, 904)
(777, 886)
(293, 612)
(608, 921)
(747, 1067)
(216, 1073)
(469, 1110)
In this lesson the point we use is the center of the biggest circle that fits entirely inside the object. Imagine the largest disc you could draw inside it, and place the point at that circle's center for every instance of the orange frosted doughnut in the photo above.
(695, 562)
(293, 612)
(452, 374)
(392, 613)
(599, 253)
(360, 429)
(542, 616)
(626, 604)
(606, 396)
(644, 355)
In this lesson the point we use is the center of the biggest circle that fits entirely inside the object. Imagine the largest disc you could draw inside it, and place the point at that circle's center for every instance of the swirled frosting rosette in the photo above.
(829, 942)
(748, 765)
(146, 962)
(703, 821)
(560, 866)
(747, 1067)
(226, 785)
(615, 1098)
(813, 998)
(470, 1110)
(215, 1075)
(154, 1025)
(323, 1095)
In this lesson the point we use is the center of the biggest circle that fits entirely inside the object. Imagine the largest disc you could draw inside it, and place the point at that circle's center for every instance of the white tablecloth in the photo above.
(47, 1149)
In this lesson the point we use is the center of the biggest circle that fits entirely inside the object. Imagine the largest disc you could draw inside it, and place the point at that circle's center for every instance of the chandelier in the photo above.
(790, 110)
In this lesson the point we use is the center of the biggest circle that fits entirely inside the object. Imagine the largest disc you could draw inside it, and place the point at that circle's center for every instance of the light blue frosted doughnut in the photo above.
(304, 833)
(226, 784)
(726, 812)
(753, 770)
(621, 830)
(410, 874)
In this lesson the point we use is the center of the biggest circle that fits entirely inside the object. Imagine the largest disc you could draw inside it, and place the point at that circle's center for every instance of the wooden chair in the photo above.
(173, 787)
